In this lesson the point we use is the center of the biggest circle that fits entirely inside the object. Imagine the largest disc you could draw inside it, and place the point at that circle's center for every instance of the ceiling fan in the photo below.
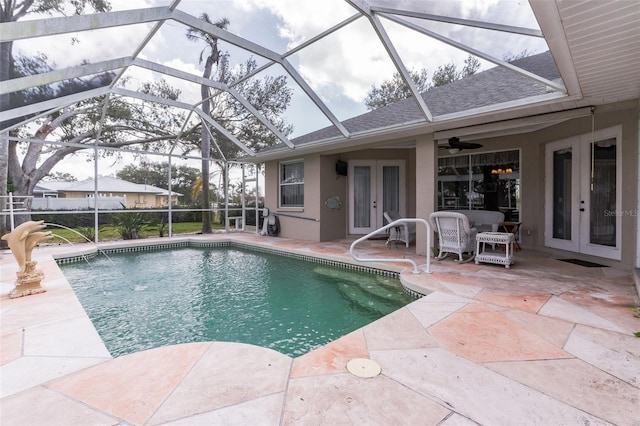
(454, 145)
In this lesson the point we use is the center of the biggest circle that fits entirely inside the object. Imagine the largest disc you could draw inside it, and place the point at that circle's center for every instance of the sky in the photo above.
(341, 68)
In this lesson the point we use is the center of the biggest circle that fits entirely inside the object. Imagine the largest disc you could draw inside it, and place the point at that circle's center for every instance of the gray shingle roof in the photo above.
(493, 86)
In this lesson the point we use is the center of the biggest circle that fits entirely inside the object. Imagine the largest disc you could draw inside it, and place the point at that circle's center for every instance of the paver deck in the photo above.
(543, 343)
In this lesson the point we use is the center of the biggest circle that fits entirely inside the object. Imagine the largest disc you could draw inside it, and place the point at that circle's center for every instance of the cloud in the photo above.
(348, 62)
(69, 50)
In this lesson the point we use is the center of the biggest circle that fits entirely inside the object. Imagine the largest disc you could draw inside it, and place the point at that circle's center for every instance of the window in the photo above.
(292, 184)
(484, 181)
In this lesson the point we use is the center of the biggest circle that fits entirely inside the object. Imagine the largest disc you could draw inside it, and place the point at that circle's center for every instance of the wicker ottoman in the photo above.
(496, 256)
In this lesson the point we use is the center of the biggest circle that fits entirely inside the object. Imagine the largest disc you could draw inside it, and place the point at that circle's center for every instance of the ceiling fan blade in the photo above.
(457, 144)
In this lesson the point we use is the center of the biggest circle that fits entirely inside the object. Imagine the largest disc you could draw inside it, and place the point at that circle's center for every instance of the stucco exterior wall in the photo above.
(533, 174)
(304, 229)
(333, 222)
(321, 181)
(409, 157)
(425, 179)
(625, 115)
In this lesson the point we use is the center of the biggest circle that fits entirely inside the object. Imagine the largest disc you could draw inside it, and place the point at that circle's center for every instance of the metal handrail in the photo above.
(395, 223)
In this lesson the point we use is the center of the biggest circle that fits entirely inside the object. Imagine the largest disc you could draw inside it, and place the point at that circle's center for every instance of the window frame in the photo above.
(282, 184)
(469, 183)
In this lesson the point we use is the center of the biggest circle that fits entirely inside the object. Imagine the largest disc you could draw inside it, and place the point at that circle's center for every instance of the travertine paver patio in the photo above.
(543, 343)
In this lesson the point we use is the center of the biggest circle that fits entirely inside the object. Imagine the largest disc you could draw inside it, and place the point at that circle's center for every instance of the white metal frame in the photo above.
(13, 31)
(399, 222)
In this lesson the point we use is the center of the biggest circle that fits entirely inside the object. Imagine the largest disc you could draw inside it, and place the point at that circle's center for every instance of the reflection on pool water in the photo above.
(142, 300)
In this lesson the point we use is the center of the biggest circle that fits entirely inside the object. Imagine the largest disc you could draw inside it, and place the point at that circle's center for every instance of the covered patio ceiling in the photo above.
(332, 52)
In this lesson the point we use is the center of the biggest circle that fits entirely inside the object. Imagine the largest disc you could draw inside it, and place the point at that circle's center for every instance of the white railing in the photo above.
(398, 222)
(15, 203)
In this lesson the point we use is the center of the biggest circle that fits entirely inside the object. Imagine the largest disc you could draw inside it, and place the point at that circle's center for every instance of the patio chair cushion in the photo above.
(483, 220)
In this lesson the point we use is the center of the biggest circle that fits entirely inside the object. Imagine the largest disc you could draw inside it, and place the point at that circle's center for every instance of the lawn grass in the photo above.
(110, 232)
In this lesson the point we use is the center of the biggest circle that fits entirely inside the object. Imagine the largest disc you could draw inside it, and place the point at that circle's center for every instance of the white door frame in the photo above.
(377, 191)
(580, 194)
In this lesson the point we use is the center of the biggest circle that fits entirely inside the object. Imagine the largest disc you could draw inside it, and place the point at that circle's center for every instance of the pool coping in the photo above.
(95, 251)
(412, 288)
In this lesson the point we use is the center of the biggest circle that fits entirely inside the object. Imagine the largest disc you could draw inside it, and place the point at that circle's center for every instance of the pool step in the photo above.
(383, 288)
(360, 298)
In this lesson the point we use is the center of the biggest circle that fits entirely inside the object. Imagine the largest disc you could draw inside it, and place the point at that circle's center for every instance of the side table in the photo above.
(497, 257)
(513, 228)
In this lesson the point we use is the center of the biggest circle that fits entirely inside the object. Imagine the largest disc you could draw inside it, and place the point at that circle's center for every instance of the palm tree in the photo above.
(211, 48)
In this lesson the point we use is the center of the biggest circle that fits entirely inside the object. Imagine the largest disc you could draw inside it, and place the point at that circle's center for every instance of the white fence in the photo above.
(104, 203)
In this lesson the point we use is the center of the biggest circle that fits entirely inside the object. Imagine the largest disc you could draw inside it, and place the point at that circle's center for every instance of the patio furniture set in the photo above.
(482, 234)
(477, 233)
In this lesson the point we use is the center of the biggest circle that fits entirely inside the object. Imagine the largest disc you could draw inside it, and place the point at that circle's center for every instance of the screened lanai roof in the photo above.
(332, 52)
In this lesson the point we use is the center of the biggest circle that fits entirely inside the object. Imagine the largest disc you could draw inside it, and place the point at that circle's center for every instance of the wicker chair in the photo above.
(455, 234)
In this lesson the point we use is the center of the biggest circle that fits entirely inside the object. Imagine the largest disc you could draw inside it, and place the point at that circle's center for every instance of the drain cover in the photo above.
(363, 367)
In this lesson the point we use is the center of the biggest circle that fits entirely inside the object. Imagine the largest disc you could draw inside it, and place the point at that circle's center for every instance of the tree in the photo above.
(60, 177)
(510, 57)
(270, 96)
(12, 11)
(448, 73)
(213, 57)
(78, 126)
(471, 65)
(156, 174)
(395, 89)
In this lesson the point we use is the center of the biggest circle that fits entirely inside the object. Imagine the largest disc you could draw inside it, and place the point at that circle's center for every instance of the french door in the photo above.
(583, 194)
(375, 186)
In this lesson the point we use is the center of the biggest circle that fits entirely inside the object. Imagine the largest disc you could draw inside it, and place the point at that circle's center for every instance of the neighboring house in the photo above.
(566, 167)
(111, 193)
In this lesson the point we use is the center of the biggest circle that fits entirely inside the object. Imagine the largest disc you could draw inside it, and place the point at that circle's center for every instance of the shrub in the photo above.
(89, 232)
(129, 224)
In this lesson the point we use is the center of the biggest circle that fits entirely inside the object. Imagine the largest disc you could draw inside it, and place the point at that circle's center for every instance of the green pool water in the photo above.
(143, 300)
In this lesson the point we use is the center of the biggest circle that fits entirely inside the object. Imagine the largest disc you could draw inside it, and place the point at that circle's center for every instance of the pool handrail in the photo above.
(398, 222)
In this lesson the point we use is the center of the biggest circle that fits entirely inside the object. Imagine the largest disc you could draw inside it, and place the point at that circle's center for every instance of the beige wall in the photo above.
(303, 229)
(532, 171)
(322, 182)
(533, 188)
(333, 223)
(408, 155)
(425, 180)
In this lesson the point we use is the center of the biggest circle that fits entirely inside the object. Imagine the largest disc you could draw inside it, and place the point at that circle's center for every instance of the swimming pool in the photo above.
(142, 300)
